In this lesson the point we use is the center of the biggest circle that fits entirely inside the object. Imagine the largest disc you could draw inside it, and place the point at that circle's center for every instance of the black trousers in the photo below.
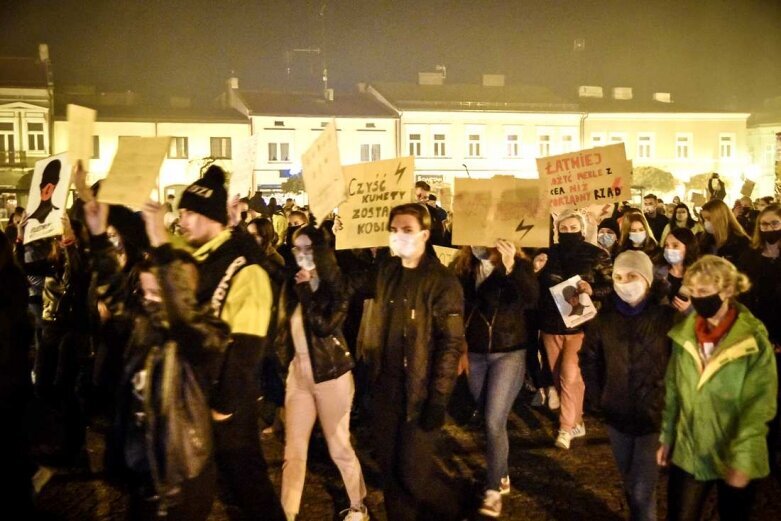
(194, 502)
(244, 483)
(414, 489)
(686, 498)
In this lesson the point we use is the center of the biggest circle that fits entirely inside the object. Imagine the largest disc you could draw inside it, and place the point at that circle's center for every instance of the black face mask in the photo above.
(770, 236)
(708, 306)
(570, 238)
(243, 216)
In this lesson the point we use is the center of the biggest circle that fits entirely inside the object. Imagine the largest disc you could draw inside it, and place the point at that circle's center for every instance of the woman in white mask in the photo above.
(680, 252)
(320, 386)
(636, 235)
(623, 361)
(723, 235)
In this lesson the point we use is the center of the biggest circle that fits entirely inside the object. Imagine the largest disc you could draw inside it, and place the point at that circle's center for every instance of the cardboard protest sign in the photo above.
(698, 199)
(48, 196)
(446, 197)
(134, 172)
(446, 255)
(373, 190)
(240, 182)
(81, 127)
(503, 207)
(322, 174)
(575, 308)
(591, 176)
(747, 188)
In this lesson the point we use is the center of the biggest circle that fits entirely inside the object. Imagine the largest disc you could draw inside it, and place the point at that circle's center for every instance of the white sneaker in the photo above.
(492, 504)
(539, 398)
(504, 486)
(563, 439)
(355, 514)
(553, 399)
(578, 431)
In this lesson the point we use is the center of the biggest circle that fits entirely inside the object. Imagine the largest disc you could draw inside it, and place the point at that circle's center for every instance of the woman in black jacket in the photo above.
(313, 307)
(723, 235)
(623, 363)
(499, 286)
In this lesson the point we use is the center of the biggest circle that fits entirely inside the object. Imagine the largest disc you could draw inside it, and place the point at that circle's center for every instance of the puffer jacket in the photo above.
(715, 417)
(496, 310)
(436, 328)
(324, 312)
(623, 362)
(591, 262)
(731, 250)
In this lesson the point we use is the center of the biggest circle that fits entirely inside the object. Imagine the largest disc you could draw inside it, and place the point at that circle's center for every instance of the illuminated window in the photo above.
(683, 146)
(414, 145)
(727, 146)
(35, 137)
(279, 152)
(543, 141)
(567, 143)
(7, 138)
(439, 145)
(178, 148)
(617, 137)
(370, 153)
(513, 147)
(221, 147)
(597, 139)
(645, 146)
(474, 145)
(95, 147)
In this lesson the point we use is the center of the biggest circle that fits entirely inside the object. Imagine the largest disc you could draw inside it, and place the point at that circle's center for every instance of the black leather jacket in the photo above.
(324, 312)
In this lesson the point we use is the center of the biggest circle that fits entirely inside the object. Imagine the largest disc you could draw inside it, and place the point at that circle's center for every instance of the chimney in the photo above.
(430, 78)
(589, 91)
(329, 94)
(493, 80)
(663, 97)
(233, 82)
(622, 93)
(43, 52)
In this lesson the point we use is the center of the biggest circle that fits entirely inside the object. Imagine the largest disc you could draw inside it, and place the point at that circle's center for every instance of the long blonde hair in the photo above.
(710, 269)
(723, 221)
(756, 241)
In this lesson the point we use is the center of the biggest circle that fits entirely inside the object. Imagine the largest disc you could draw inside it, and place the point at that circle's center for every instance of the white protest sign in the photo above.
(373, 190)
(134, 172)
(48, 195)
(243, 167)
(322, 173)
(586, 177)
(81, 128)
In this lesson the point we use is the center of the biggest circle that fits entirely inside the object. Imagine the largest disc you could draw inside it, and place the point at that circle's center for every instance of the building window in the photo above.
(279, 123)
(544, 144)
(7, 138)
(597, 139)
(35, 137)
(727, 146)
(178, 148)
(371, 125)
(414, 145)
(617, 137)
(370, 153)
(513, 147)
(439, 145)
(221, 147)
(645, 146)
(567, 143)
(95, 147)
(279, 152)
(682, 146)
(474, 145)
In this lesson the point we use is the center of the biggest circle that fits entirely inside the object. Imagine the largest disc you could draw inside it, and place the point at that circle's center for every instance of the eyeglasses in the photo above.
(306, 249)
(772, 225)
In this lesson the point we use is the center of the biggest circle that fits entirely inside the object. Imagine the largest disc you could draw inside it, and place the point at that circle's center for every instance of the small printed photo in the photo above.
(575, 307)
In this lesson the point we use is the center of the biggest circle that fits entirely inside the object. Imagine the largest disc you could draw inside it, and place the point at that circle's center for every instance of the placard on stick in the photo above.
(591, 176)
(373, 190)
(48, 195)
(81, 128)
(322, 174)
(134, 171)
(748, 188)
(504, 207)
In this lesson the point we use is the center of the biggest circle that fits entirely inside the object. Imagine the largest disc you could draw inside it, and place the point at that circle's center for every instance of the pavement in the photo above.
(547, 483)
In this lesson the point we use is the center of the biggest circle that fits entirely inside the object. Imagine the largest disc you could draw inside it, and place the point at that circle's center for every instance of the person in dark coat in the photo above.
(723, 235)
(623, 362)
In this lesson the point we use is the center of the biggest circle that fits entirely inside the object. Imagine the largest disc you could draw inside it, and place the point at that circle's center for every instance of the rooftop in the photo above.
(315, 105)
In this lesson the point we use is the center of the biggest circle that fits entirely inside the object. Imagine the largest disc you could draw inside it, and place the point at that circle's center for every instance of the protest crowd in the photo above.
(183, 328)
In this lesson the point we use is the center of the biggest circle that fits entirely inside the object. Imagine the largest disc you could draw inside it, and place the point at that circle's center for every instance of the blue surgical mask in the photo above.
(638, 238)
(606, 239)
(673, 256)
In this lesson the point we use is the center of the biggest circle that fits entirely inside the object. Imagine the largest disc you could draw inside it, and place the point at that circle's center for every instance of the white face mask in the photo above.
(637, 237)
(630, 292)
(606, 239)
(405, 245)
(673, 256)
(305, 261)
(708, 227)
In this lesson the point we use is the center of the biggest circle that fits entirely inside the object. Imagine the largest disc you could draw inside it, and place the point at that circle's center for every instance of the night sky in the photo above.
(717, 52)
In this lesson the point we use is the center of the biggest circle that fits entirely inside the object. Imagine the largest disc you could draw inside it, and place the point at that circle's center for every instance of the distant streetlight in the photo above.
(579, 45)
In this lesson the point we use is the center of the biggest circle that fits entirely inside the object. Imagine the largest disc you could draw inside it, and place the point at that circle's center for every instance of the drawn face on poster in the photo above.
(574, 307)
(48, 194)
(49, 181)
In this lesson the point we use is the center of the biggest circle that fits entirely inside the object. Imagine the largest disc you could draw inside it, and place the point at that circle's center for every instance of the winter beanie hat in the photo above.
(207, 196)
(637, 261)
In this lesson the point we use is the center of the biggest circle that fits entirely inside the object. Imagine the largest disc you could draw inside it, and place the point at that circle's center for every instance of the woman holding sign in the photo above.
(499, 286)
(571, 256)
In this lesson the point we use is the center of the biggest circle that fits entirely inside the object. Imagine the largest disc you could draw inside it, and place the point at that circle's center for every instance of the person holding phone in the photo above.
(680, 252)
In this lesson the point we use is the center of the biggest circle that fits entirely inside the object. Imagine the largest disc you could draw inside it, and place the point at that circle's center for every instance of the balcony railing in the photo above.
(13, 158)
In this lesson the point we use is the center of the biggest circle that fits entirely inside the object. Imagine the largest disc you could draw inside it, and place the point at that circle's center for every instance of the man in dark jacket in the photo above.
(239, 291)
(656, 220)
(418, 320)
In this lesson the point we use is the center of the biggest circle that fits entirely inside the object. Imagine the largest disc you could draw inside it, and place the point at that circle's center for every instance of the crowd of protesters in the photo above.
(173, 330)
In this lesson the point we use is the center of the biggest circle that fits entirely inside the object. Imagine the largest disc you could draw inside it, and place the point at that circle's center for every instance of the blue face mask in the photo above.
(606, 239)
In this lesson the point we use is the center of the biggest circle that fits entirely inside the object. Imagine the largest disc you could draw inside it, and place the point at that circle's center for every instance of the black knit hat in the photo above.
(611, 224)
(207, 196)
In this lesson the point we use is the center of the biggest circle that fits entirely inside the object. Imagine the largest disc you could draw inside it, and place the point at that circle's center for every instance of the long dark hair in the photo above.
(6, 252)
(324, 257)
(266, 232)
(690, 222)
(686, 236)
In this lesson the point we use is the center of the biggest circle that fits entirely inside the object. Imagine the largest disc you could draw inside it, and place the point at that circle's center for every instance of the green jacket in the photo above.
(715, 418)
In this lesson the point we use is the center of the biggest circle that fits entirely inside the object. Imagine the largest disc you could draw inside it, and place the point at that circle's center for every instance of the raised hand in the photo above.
(96, 217)
(507, 250)
(154, 221)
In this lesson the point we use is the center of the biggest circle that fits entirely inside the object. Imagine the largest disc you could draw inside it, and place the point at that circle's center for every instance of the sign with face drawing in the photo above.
(48, 196)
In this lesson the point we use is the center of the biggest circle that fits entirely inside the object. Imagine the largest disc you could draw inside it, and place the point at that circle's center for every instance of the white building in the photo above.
(764, 144)
(287, 123)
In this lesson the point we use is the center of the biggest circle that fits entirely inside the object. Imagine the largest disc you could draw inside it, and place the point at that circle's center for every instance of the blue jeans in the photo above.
(495, 380)
(636, 460)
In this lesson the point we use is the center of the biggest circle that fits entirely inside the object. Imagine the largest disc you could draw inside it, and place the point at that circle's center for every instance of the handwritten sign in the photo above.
(485, 210)
(747, 188)
(446, 255)
(373, 189)
(81, 127)
(48, 195)
(592, 176)
(446, 197)
(322, 173)
(243, 167)
(134, 171)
